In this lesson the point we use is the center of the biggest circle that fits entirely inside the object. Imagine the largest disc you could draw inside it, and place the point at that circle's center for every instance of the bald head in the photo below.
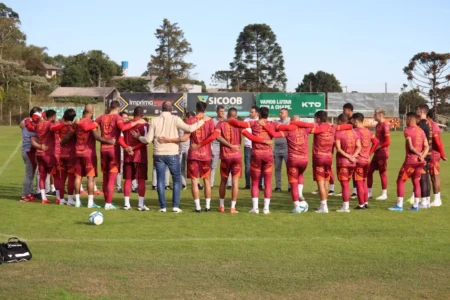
(89, 108)
(295, 118)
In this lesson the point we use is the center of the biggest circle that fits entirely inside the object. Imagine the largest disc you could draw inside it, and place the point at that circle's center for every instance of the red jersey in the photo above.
(348, 140)
(85, 142)
(109, 129)
(233, 136)
(203, 153)
(259, 149)
(46, 137)
(140, 155)
(69, 148)
(436, 154)
(297, 142)
(382, 131)
(324, 142)
(417, 136)
(365, 136)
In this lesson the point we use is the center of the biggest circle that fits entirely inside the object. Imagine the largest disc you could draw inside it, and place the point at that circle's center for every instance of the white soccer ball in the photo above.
(96, 218)
(303, 206)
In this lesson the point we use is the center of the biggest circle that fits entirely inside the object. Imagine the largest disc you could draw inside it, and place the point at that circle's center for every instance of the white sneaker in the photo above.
(338, 195)
(424, 205)
(143, 208)
(176, 210)
(71, 203)
(322, 210)
(254, 211)
(163, 210)
(78, 204)
(369, 196)
(266, 211)
(382, 198)
(436, 203)
(342, 210)
(62, 202)
(126, 207)
(110, 206)
(302, 198)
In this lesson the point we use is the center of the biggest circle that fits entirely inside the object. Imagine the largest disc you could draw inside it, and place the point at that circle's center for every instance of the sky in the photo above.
(364, 43)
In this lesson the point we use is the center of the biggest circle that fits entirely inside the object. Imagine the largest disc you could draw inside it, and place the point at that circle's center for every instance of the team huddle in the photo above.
(66, 150)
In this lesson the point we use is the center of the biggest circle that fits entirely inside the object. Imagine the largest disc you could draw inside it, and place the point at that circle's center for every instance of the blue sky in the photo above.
(364, 43)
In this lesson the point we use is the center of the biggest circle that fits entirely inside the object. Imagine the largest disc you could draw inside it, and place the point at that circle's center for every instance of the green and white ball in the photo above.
(303, 206)
(96, 218)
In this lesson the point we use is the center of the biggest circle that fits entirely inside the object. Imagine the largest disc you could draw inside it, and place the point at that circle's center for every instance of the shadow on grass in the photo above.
(83, 223)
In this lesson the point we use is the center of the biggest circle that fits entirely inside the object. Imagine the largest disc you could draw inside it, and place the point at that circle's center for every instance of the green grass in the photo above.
(372, 254)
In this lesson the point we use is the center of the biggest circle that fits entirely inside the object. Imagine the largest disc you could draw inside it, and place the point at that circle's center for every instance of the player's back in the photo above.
(297, 142)
(203, 153)
(47, 137)
(85, 142)
(140, 155)
(347, 139)
(324, 142)
(109, 128)
(418, 137)
(261, 149)
(382, 131)
(365, 136)
(233, 136)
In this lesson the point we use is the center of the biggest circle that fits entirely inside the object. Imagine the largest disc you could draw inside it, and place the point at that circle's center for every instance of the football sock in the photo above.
(70, 198)
(208, 203)
(255, 203)
(296, 204)
(416, 202)
(57, 195)
(437, 197)
(221, 202)
(384, 193)
(141, 201)
(331, 187)
(354, 190)
(81, 188)
(233, 204)
(95, 188)
(266, 203)
(346, 205)
(300, 190)
(370, 192)
(90, 200)
(53, 188)
(43, 194)
(400, 202)
(127, 200)
(77, 197)
(323, 204)
(197, 204)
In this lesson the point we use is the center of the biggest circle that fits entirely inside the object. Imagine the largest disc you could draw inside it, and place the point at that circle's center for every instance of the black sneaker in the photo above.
(277, 190)
(134, 191)
(197, 211)
(153, 187)
(51, 193)
(353, 196)
(120, 191)
(330, 193)
(247, 187)
(38, 196)
(200, 187)
(183, 187)
(168, 187)
(261, 187)
(366, 206)
(289, 190)
(360, 207)
(207, 209)
(229, 187)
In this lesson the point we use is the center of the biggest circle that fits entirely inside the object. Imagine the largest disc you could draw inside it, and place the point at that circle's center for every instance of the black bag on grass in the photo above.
(14, 250)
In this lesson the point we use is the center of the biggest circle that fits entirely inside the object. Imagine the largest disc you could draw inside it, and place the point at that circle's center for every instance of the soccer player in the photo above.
(348, 111)
(348, 146)
(416, 146)
(230, 155)
(111, 125)
(215, 146)
(362, 164)
(119, 189)
(436, 155)
(261, 160)
(280, 151)
(135, 166)
(425, 185)
(381, 155)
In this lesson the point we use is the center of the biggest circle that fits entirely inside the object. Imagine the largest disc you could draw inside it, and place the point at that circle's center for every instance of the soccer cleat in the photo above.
(229, 187)
(45, 201)
(315, 192)
(221, 209)
(134, 191)
(322, 211)
(163, 210)
(168, 187)
(61, 202)
(302, 198)
(120, 191)
(78, 204)
(254, 211)
(127, 208)
(436, 203)
(261, 187)
(342, 210)
(354, 195)
(197, 211)
(38, 196)
(338, 194)
(412, 208)
(153, 187)
(176, 210)
(233, 211)
(396, 208)
(266, 211)
(207, 209)
(26, 199)
(330, 193)
(98, 193)
(200, 186)
(71, 203)
(296, 210)
(424, 206)
(277, 190)
(384, 197)
(83, 193)
(247, 187)
(143, 208)
(183, 187)
(370, 196)
(97, 206)
(51, 193)
(366, 206)
(289, 190)
(110, 206)
(360, 207)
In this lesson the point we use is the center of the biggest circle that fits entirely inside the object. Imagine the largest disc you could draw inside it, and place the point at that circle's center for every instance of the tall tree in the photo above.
(168, 63)
(429, 73)
(321, 82)
(410, 100)
(223, 79)
(132, 85)
(258, 61)
(10, 34)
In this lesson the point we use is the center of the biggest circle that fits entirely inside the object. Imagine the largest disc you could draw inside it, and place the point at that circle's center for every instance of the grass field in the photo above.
(373, 254)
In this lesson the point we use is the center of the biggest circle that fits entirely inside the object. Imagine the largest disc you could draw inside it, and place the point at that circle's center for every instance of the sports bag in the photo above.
(14, 250)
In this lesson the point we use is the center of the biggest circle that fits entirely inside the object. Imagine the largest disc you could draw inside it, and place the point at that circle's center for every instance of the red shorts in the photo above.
(110, 160)
(345, 173)
(66, 164)
(361, 171)
(322, 168)
(408, 171)
(435, 167)
(233, 165)
(86, 166)
(133, 170)
(295, 168)
(198, 169)
(46, 164)
(379, 163)
(260, 164)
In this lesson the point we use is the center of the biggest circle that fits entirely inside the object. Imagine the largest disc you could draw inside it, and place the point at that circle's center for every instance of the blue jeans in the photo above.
(247, 162)
(173, 163)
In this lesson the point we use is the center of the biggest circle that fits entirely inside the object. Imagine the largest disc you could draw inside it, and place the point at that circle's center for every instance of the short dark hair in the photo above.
(358, 117)
(284, 108)
(50, 113)
(114, 104)
(321, 115)
(411, 115)
(256, 108)
(424, 107)
(34, 110)
(343, 118)
(219, 107)
(138, 111)
(190, 114)
(348, 106)
(69, 115)
(167, 106)
(264, 112)
(200, 106)
(430, 114)
(232, 110)
(123, 113)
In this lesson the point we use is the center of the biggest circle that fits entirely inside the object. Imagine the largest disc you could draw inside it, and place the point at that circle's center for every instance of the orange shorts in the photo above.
(295, 168)
(345, 173)
(408, 171)
(46, 164)
(86, 166)
(260, 164)
(435, 167)
(322, 168)
(231, 165)
(361, 172)
(198, 169)
(379, 163)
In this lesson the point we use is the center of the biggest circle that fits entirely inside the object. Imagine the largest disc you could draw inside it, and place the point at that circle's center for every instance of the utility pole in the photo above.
(385, 87)
(29, 98)
(310, 86)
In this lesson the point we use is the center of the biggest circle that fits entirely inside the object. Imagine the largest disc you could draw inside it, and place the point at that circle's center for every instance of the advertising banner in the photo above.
(61, 109)
(371, 123)
(301, 104)
(243, 102)
(151, 102)
(364, 103)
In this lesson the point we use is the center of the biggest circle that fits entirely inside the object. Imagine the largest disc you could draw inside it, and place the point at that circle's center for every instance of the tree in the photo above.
(132, 85)
(410, 100)
(10, 34)
(223, 79)
(429, 74)
(168, 63)
(35, 66)
(258, 61)
(321, 82)
(201, 83)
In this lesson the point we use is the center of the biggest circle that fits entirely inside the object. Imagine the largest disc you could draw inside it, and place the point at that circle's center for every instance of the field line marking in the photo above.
(3, 167)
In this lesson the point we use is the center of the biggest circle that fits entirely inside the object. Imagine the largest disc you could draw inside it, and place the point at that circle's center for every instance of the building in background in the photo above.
(51, 71)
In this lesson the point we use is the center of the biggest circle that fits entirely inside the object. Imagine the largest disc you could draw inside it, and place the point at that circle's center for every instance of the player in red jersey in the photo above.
(66, 158)
(111, 125)
(230, 156)
(261, 160)
(416, 147)
(380, 158)
(368, 145)
(436, 156)
(348, 146)
(135, 160)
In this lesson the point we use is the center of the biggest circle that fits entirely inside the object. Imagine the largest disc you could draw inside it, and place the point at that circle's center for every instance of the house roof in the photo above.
(94, 92)
(148, 78)
(50, 67)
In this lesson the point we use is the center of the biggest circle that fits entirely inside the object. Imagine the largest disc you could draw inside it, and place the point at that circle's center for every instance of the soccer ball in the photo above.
(303, 206)
(96, 218)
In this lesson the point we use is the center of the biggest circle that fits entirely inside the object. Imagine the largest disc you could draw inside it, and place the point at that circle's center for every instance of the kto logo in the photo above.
(220, 100)
(311, 104)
